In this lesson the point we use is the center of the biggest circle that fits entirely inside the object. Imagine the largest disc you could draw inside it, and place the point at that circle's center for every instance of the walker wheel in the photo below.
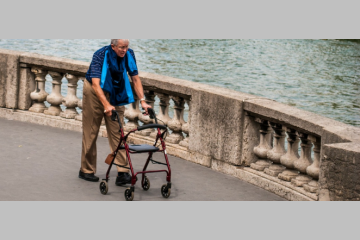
(129, 195)
(104, 187)
(165, 191)
(146, 184)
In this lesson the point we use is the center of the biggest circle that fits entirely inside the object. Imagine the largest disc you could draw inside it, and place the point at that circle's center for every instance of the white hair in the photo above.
(115, 41)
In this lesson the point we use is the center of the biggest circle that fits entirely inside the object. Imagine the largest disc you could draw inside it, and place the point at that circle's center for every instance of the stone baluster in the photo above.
(163, 114)
(305, 157)
(80, 103)
(177, 121)
(39, 95)
(132, 115)
(150, 99)
(262, 149)
(290, 157)
(277, 151)
(185, 128)
(314, 169)
(164, 108)
(71, 100)
(55, 98)
(303, 162)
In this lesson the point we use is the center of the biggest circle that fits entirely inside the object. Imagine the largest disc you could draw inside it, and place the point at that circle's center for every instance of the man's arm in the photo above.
(101, 96)
(139, 91)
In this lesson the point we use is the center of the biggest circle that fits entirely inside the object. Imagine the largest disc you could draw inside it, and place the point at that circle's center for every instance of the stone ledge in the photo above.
(55, 63)
(289, 185)
(269, 183)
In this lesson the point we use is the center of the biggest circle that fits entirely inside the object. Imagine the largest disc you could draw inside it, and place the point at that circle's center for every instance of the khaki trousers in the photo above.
(93, 113)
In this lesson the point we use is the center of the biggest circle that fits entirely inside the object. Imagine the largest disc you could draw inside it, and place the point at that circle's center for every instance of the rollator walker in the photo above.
(134, 149)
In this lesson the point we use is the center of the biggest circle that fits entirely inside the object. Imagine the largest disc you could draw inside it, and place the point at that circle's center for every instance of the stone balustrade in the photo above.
(296, 154)
(39, 96)
(287, 165)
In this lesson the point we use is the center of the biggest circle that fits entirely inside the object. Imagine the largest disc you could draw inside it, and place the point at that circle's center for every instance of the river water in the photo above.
(321, 76)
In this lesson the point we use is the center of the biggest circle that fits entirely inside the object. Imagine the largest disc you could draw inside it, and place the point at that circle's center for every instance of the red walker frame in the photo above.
(145, 183)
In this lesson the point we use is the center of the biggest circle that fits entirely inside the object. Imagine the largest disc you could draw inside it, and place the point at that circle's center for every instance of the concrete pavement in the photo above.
(40, 163)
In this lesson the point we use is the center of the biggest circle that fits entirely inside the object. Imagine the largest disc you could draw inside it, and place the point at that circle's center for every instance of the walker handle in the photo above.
(113, 117)
(152, 114)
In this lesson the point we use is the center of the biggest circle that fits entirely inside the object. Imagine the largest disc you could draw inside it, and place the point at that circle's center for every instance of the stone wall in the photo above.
(224, 126)
(340, 171)
(9, 78)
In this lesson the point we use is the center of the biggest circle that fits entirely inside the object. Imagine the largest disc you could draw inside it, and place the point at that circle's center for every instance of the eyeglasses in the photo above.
(123, 47)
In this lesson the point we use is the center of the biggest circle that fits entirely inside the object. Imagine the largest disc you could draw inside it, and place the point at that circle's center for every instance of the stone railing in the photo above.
(294, 153)
(286, 166)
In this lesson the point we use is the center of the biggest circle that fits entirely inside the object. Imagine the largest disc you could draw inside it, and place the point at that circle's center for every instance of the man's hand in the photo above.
(108, 110)
(100, 94)
(140, 92)
(145, 106)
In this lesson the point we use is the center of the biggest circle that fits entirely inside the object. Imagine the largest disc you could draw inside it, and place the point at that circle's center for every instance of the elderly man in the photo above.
(104, 91)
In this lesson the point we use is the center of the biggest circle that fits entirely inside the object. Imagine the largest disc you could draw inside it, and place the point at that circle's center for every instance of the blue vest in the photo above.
(114, 77)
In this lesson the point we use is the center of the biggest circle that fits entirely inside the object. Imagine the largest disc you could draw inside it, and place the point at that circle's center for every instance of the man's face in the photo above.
(121, 48)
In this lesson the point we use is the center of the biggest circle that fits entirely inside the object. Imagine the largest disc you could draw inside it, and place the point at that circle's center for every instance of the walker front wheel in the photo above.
(104, 187)
(129, 195)
(165, 191)
(146, 184)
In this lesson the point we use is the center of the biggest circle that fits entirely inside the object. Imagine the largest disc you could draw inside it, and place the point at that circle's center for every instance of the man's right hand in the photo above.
(100, 94)
(108, 109)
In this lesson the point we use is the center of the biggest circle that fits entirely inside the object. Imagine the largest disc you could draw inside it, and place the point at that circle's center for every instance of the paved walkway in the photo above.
(42, 163)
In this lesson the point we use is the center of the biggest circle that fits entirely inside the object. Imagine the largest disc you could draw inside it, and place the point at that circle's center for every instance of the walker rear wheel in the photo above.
(129, 195)
(104, 187)
(165, 191)
(146, 184)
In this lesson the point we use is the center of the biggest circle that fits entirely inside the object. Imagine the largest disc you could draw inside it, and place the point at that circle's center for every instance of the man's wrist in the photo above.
(142, 99)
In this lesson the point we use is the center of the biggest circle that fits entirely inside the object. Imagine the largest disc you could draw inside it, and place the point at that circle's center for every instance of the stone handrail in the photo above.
(233, 132)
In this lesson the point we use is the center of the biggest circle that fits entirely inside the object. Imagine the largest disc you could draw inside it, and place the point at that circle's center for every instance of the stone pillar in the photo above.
(55, 98)
(277, 151)
(26, 86)
(185, 128)
(132, 114)
(150, 99)
(9, 78)
(314, 169)
(250, 139)
(262, 149)
(177, 121)
(303, 162)
(305, 157)
(163, 114)
(290, 157)
(39, 95)
(71, 100)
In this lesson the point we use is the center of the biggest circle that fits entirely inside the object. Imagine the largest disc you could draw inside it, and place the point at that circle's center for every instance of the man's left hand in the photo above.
(145, 106)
